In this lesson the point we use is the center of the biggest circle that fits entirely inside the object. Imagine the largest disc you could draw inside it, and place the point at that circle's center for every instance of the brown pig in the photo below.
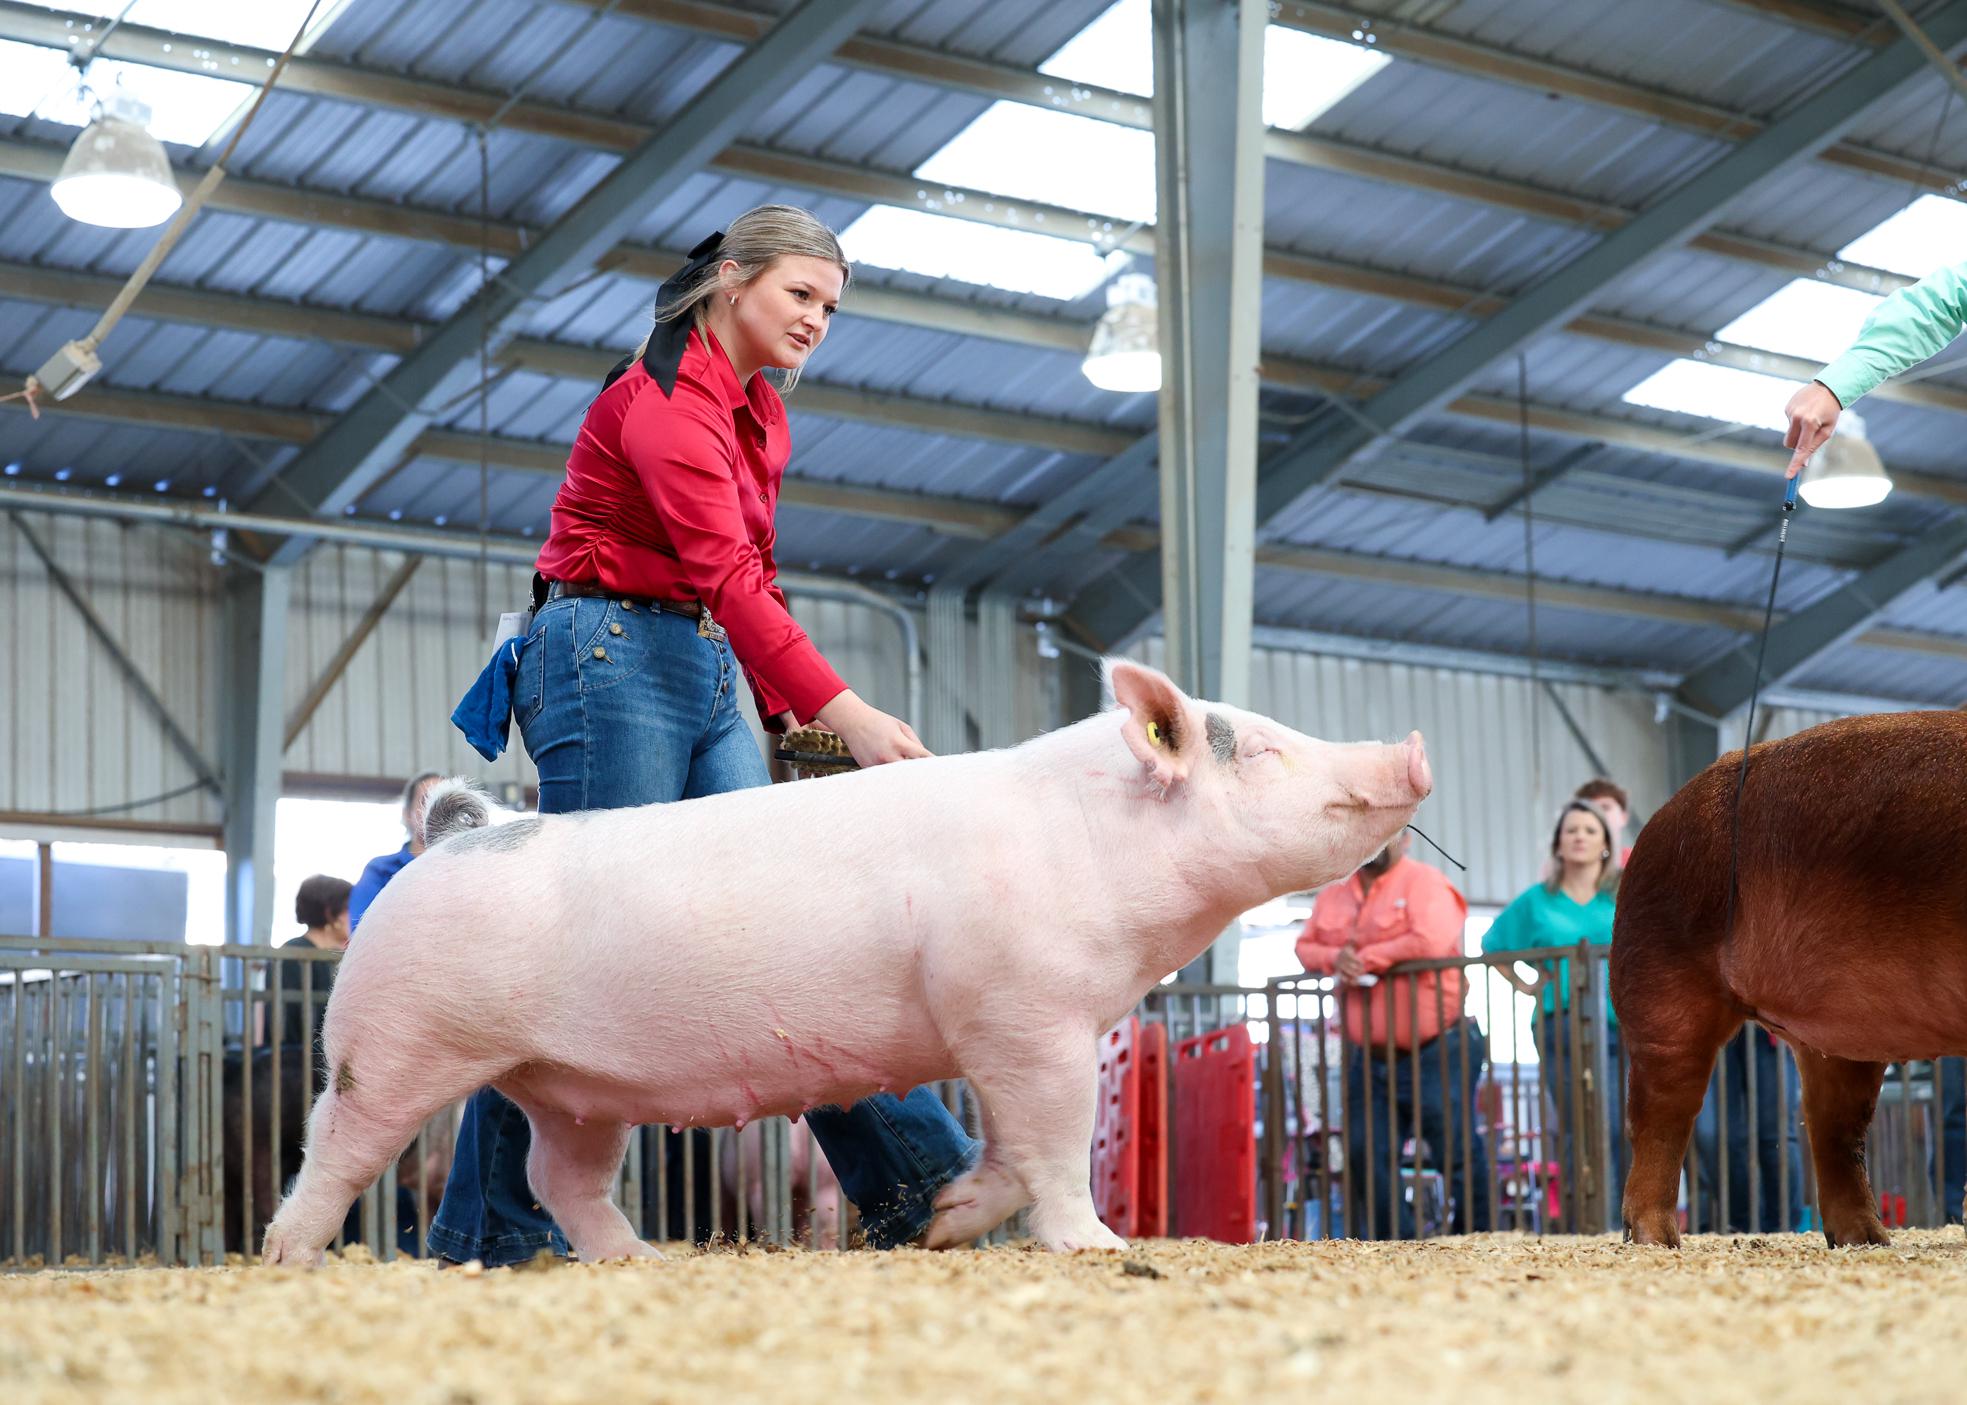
(1848, 939)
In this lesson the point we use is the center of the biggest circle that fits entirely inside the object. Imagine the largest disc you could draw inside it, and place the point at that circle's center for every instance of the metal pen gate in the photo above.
(152, 1096)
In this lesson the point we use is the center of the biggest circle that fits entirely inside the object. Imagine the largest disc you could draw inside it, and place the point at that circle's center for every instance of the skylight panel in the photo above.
(1716, 393)
(251, 24)
(1807, 318)
(1114, 51)
(937, 246)
(1304, 74)
(1033, 153)
(184, 107)
(187, 108)
(28, 74)
(1925, 236)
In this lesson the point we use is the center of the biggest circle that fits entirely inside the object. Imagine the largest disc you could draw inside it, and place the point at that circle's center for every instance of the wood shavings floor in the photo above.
(1775, 1318)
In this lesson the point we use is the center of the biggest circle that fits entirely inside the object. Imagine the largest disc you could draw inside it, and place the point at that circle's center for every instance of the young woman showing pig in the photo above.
(656, 591)
(1573, 904)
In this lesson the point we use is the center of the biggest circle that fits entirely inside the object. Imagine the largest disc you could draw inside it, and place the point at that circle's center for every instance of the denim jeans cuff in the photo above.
(500, 1252)
(904, 1218)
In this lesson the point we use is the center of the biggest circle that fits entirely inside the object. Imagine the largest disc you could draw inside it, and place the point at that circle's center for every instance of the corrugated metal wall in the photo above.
(389, 716)
(1780, 722)
(73, 735)
(1490, 739)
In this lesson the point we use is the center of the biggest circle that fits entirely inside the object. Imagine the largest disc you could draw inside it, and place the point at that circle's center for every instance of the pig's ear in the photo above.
(1157, 729)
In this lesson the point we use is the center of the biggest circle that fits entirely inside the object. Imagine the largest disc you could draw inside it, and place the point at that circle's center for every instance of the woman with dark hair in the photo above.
(656, 592)
(321, 906)
(1572, 905)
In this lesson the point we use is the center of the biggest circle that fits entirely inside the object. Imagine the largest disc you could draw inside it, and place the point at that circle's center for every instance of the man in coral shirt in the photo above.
(1411, 1047)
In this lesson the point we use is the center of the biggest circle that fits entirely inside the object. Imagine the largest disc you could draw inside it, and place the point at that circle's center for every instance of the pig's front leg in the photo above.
(1038, 1090)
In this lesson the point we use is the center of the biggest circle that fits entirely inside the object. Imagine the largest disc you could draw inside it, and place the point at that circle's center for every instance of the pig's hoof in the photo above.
(1855, 1235)
(627, 1249)
(1658, 1229)
(1071, 1238)
(282, 1250)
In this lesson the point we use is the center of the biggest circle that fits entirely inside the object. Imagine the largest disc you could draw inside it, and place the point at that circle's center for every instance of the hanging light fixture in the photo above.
(1125, 354)
(1846, 471)
(117, 174)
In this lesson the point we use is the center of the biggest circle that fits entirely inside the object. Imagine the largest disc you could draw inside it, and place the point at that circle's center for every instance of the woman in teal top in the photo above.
(1902, 331)
(1572, 905)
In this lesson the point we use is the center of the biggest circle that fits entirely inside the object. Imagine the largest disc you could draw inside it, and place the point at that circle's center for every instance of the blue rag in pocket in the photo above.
(484, 713)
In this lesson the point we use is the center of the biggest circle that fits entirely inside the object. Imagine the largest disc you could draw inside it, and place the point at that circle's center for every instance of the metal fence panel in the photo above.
(154, 1097)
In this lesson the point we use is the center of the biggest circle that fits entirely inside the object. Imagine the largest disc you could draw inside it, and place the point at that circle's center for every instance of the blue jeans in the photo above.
(619, 705)
(1756, 1134)
(1387, 1092)
(1551, 1033)
(1950, 1089)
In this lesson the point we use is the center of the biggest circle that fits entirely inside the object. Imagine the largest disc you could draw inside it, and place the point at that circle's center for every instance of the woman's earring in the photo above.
(1604, 853)
(734, 300)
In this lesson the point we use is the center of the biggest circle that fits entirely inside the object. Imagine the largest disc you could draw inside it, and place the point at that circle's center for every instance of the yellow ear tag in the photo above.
(1153, 734)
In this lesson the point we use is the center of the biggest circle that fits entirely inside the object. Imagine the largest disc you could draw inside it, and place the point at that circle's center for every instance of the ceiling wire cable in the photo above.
(483, 573)
(1530, 580)
(123, 807)
(85, 349)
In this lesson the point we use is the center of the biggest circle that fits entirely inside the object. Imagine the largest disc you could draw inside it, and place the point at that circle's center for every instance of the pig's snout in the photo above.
(1419, 775)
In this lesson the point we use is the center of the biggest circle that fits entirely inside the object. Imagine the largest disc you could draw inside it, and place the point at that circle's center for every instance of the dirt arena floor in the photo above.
(1494, 1318)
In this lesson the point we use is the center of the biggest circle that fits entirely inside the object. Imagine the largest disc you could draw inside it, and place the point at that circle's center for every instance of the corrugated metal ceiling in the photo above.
(1681, 520)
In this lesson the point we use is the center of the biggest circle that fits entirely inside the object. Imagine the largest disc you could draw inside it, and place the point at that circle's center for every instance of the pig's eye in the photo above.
(1255, 749)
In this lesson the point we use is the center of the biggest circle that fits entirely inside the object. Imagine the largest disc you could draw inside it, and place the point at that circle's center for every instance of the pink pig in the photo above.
(982, 916)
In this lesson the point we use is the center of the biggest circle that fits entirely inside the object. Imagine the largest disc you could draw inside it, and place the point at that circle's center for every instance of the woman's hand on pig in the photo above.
(871, 735)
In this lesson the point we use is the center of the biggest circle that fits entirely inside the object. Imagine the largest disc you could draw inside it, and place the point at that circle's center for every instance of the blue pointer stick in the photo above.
(1789, 492)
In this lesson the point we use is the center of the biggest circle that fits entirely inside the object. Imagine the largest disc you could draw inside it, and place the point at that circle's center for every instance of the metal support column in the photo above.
(255, 681)
(997, 670)
(1693, 744)
(1208, 252)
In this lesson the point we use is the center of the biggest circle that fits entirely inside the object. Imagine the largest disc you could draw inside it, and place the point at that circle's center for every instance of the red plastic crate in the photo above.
(1116, 1146)
(1216, 1137)
(1152, 1142)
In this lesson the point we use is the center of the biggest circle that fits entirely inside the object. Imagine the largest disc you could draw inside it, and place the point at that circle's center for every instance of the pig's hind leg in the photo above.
(1671, 1045)
(572, 1168)
(360, 1124)
(1039, 1091)
(1839, 1096)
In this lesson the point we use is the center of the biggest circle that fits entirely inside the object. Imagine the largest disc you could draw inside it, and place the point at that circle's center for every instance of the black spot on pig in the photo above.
(496, 839)
(344, 1078)
(1222, 737)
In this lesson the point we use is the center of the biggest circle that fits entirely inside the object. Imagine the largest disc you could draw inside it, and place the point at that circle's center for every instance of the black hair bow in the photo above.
(668, 340)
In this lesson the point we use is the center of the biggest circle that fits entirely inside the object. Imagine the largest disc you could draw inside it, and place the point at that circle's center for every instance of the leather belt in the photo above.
(557, 590)
(707, 627)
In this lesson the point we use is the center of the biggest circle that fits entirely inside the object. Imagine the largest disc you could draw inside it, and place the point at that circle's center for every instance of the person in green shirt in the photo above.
(1905, 329)
(1573, 904)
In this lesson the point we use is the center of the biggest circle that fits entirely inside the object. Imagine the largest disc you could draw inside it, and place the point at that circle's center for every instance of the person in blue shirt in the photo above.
(386, 866)
(1573, 904)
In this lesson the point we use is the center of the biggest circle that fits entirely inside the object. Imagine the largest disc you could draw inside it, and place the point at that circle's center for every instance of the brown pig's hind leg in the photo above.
(1838, 1099)
(1666, 1081)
